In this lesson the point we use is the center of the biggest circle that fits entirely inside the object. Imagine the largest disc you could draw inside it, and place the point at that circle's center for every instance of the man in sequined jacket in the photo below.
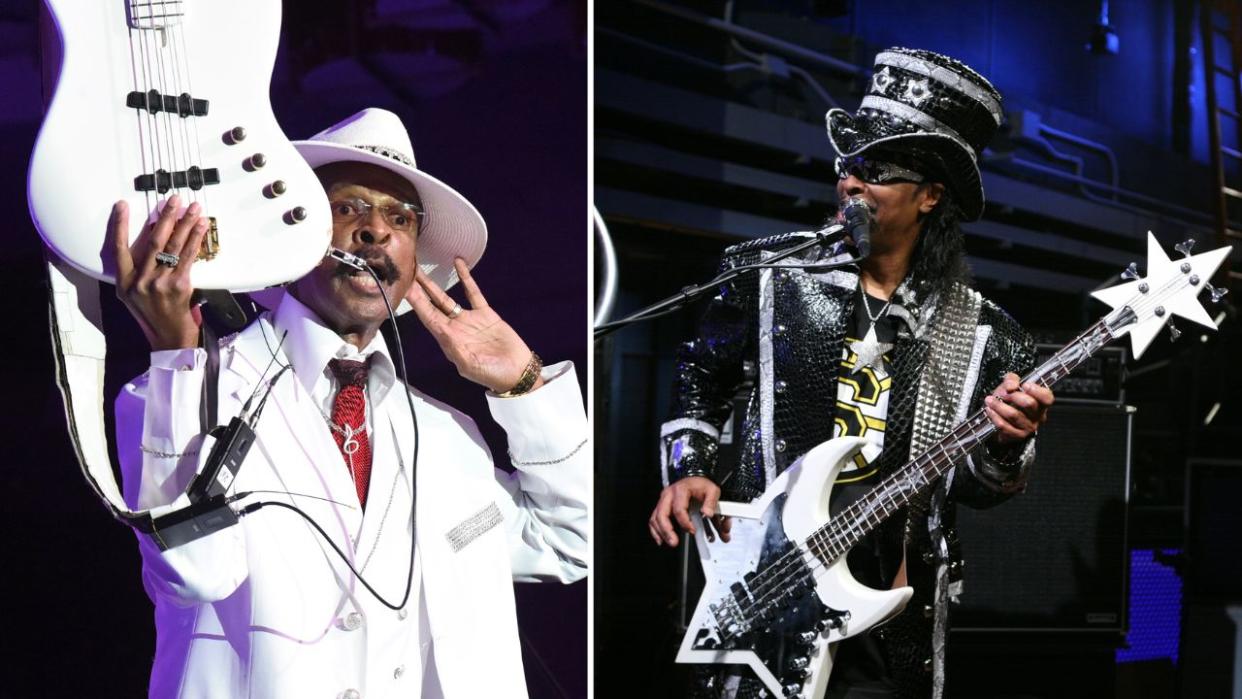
(896, 349)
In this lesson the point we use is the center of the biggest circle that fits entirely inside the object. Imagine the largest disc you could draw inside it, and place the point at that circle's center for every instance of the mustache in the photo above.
(378, 259)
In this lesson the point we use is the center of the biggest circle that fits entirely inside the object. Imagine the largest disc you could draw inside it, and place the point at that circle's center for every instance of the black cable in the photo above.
(252, 507)
(401, 373)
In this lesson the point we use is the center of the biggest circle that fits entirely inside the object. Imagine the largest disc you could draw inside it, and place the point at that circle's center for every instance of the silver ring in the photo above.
(456, 310)
(167, 259)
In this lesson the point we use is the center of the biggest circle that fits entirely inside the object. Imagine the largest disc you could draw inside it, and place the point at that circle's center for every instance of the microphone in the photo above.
(348, 259)
(857, 217)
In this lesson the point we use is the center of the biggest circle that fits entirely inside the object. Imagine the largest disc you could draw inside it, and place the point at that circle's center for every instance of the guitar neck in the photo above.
(843, 531)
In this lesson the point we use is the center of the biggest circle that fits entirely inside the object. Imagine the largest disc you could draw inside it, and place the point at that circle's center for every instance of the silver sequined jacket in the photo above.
(790, 325)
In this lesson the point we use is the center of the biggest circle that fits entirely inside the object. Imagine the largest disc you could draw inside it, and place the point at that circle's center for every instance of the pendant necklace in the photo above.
(869, 350)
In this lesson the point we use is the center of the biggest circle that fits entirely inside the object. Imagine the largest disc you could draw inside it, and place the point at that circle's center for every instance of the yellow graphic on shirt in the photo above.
(862, 411)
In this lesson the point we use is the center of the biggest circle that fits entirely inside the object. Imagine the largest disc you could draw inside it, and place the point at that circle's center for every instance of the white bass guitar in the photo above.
(163, 97)
(780, 593)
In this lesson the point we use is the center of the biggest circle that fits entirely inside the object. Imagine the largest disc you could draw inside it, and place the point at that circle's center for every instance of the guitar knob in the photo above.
(237, 134)
(257, 161)
(275, 189)
(1185, 246)
(296, 215)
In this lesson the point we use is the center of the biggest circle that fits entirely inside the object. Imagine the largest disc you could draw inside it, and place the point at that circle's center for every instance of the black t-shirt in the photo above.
(863, 392)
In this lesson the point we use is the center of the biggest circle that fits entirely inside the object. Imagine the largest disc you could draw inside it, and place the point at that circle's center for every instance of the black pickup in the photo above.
(154, 102)
(162, 180)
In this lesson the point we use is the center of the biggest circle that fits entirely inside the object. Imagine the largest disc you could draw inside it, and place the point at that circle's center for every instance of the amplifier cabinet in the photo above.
(1054, 558)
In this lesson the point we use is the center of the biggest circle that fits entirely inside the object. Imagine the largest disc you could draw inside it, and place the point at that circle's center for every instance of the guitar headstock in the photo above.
(1170, 288)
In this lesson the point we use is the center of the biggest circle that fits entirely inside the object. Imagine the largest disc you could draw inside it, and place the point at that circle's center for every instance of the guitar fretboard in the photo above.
(155, 14)
(831, 541)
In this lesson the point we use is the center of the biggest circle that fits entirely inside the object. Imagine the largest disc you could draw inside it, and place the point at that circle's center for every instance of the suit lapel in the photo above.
(307, 460)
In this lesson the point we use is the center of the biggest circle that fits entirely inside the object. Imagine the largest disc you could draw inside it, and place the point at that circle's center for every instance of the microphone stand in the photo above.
(688, 294)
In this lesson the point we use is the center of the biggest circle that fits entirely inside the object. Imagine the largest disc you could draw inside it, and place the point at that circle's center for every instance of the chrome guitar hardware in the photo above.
(780, 593)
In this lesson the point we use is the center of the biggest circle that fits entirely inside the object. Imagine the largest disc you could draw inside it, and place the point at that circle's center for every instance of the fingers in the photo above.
(193, 243)
(474, 296)
(681, 509)
(157, 233)
(1013, 422)
(118, 227)
(723, 525)
(432, 318)
(1042, 394)
(710, 500)
(181, 231)
(660, 525)
(1010, 383)
(442, 301)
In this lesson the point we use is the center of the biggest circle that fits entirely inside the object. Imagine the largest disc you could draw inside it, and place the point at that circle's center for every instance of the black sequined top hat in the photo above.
(930, 106)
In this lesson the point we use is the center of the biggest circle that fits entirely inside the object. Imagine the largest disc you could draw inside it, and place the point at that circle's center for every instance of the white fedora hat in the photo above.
(452, 226)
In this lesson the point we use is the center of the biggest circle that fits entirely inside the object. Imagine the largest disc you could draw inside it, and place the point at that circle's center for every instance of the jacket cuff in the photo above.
(547, 425)
(1003, 470)
(688, 447)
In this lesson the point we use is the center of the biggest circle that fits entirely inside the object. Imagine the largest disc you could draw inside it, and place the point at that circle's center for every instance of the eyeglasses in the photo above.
(874, 171)
(402, 216)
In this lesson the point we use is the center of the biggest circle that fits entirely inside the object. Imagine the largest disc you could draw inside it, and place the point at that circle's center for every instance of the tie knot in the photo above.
(349, 372)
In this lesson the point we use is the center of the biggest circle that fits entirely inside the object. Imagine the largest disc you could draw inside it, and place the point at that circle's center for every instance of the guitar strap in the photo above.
(79, 349)
(942, 389)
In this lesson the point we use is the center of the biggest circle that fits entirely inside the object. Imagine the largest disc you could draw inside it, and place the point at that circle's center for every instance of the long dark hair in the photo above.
(939, 258)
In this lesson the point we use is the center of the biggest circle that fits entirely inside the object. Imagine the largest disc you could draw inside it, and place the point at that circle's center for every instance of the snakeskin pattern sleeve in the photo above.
(707, 374)
(988, 479)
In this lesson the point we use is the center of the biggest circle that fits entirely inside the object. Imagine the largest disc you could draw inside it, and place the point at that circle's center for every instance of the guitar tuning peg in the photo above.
(1174, 333)
(1185, 246)
(1131, 272)
(1216, 292)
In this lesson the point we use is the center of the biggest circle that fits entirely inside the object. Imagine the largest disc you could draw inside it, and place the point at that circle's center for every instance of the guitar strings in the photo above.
(161, 49)
(153, 135)
(181, 88)
(197, 139)
(770, 582)
(976, 426)
(138, 67)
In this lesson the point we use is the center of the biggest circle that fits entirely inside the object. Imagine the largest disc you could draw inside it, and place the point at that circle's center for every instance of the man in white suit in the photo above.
(436, 535)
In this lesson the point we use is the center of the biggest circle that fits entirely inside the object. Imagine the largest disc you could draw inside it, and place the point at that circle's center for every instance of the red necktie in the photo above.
(349, 416)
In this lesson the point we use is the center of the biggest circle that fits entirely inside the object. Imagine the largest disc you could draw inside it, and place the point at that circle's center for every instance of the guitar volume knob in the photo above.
(275, 189)
(296, 215)
(238, 134)
(257, 161)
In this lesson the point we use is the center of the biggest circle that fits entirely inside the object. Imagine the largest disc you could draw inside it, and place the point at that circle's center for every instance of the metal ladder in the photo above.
(1223, 155)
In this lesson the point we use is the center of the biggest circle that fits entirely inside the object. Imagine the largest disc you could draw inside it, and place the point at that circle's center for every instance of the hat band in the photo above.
(921, 119)
(944, 76)
(390, 153)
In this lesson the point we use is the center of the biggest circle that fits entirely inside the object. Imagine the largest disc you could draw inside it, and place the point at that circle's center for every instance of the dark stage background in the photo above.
(709, 130)
(493, 94)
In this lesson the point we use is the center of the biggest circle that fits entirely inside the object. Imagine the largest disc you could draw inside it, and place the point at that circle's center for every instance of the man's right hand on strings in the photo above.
(674, 504)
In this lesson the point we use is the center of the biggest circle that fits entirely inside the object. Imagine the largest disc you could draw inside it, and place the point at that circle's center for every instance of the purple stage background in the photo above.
(494, 95)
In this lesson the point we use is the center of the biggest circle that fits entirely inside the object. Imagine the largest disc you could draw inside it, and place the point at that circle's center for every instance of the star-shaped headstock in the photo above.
(1170, 288)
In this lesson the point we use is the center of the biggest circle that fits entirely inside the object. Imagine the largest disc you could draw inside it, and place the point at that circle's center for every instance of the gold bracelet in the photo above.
(529, 376)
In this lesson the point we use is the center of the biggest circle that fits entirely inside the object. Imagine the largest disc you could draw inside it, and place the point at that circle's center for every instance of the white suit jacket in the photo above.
(265, 609)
